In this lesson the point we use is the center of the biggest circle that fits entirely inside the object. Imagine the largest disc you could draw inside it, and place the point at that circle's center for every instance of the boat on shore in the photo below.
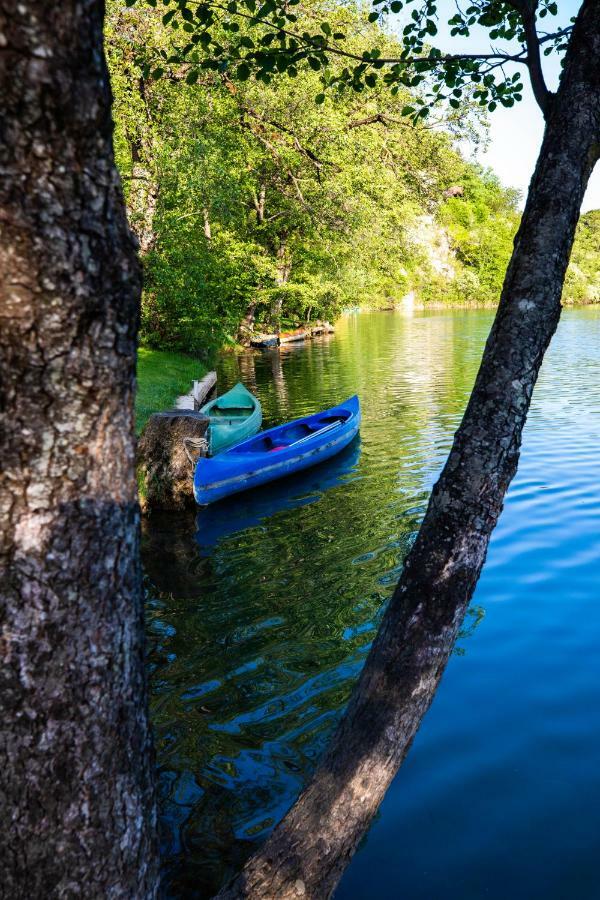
(277, 452)
(233, 416)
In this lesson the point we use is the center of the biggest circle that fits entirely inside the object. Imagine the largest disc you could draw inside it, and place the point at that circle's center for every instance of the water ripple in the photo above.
(261, 611)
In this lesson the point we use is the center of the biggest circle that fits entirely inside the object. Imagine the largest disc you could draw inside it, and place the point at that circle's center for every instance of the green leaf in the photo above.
(191, 77)
(243, 72)
(320, 98)
(326, 28)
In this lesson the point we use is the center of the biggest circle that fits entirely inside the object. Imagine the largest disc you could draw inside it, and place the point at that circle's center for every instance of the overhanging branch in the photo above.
(534, 61)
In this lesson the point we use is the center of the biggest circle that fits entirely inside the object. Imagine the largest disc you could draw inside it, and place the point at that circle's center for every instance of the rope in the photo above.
(197, 444)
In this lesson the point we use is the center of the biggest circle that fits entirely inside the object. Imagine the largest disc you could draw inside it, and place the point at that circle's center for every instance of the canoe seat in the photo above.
(231, 412)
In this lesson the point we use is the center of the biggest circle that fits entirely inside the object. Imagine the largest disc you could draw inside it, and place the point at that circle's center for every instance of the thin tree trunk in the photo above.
(309, 850)
(207, 228)
(259, 203)
(283, 272)
(144, 189)
(77, 811)
(142, 202)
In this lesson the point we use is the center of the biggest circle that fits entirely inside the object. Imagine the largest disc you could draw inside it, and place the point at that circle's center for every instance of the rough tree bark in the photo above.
(308, 851)
(77, 808)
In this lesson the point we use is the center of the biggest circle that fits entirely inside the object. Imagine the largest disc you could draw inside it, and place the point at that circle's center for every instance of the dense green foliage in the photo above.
(582, 284)
(251, 201)
(262, 201)
(265, 38)
(161, 377)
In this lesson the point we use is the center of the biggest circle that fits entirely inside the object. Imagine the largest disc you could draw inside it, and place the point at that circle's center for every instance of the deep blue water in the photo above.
(261, 611)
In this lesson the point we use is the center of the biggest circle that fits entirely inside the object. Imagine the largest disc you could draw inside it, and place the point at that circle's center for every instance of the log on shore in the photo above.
(170, 445)
(298, 334)
(201, 392)
(204, 389)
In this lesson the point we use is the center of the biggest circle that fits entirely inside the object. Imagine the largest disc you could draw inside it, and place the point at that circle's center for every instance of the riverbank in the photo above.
(161, 377)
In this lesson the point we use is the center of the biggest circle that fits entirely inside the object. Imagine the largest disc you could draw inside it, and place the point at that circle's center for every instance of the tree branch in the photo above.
(534, 62)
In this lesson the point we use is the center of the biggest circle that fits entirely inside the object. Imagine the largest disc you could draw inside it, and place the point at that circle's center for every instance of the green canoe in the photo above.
(234, 417)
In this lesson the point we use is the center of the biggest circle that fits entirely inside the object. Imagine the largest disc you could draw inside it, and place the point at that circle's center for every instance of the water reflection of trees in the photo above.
(259, 632)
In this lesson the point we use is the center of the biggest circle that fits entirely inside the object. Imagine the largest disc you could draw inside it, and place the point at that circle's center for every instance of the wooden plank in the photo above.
(203, 389)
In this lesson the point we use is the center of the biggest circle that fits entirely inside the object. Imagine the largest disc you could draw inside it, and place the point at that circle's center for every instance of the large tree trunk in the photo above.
(308, 851)
(77, 809)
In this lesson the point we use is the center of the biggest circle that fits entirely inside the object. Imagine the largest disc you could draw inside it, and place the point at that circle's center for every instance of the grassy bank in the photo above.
(162, 377)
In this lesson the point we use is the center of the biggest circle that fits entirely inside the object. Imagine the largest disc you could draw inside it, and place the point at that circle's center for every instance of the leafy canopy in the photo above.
(265, 38)
(264, 200)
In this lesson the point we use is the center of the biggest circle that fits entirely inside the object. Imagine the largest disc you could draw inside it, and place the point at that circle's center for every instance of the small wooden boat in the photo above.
(277, 452)
(234, 416)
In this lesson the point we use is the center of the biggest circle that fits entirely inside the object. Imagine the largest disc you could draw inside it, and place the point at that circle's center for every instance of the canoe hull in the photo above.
(227, 431)
(240, 469)
(223, 436)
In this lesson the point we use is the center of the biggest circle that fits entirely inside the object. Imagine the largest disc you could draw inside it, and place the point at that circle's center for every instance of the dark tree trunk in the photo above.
(308, 851)
(247, 324)
(77, 809)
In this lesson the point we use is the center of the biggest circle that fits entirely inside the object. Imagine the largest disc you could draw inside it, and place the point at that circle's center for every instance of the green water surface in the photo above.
(261, 610)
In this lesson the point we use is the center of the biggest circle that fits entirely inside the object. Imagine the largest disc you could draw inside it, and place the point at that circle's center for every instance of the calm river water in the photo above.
(262, 608)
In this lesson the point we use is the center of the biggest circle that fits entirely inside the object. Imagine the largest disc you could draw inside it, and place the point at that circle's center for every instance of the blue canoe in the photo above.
(277, 452)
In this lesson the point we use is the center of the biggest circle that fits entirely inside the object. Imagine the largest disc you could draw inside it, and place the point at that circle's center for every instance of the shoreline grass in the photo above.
(161, 377)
